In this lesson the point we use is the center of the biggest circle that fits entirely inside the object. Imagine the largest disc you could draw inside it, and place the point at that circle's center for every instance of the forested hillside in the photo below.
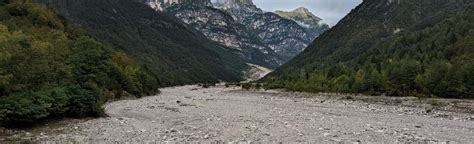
(390, 47)
(175, 53)
(51, 69)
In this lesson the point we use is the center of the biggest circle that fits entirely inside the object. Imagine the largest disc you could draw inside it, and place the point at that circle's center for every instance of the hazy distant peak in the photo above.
(300, 12)
(305, 18)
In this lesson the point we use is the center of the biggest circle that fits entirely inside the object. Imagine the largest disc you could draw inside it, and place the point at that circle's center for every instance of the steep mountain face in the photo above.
(306, 19)
(162, 5)
(285, 37)
(392, 47)
(239, 9)
(174, 52)
(261, 38)
(221, 27)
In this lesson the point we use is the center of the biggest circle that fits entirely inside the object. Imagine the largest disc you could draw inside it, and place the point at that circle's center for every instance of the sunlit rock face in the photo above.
(233, 3)
(312, 23)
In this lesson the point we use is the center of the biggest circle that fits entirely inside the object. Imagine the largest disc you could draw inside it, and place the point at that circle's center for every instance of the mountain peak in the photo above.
(305, 18)
(238, 6)
(301, 10)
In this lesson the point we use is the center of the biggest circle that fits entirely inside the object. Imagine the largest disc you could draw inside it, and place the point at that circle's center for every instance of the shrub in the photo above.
(21, 110)
(246, 86)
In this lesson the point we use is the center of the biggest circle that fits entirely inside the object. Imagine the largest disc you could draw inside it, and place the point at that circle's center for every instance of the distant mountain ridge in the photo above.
(305, 18)
(260, 37)
(284, 36)
(222, 28)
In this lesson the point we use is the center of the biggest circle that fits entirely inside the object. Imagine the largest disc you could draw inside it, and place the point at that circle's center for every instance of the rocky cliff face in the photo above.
(239, 9)
(164, 4)
(285, 37)
(222, 28)
(313, 24)
(233, 3)
(261, 37)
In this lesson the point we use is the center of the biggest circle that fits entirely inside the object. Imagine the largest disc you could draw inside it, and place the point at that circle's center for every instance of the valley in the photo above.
(230, 114)
(136, 71)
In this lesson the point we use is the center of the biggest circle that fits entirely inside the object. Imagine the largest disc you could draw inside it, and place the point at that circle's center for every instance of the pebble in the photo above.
(206, 136)
(28, 134)
(326, 134)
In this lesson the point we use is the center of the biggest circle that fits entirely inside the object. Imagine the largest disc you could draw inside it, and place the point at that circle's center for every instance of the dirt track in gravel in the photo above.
(191, 113)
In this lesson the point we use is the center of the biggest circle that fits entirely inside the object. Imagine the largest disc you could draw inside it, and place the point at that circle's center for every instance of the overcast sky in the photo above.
(331, 11)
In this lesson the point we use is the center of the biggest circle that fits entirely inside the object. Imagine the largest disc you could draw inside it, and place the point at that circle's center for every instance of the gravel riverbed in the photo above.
(229, 114)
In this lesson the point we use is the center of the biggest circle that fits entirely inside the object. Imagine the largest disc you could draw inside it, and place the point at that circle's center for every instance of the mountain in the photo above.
(174, 52)
(306, 19)
(260, 38)
(218, 26)
(390, 47)
(285, 37)
(162, 5)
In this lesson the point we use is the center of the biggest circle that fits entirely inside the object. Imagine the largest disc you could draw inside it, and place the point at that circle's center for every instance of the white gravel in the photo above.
(220, 114)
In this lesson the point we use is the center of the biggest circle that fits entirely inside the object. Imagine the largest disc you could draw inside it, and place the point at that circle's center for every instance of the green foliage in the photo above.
(47, 71)
(342, 83)
(83, 103)
(429, 54)
(172, 52)
(21, 109)
(26, 108)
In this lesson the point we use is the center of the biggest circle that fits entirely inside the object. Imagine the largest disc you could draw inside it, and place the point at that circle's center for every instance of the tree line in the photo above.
(51, 69)
(435, 61)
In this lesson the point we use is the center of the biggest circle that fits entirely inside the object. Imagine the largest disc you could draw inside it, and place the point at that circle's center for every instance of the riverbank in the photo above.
(230, 114)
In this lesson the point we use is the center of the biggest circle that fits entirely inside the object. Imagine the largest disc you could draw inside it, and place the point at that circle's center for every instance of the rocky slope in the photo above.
(162, 5)
(313, 24)
(221, 27)
(262, 38)
(285, 37)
